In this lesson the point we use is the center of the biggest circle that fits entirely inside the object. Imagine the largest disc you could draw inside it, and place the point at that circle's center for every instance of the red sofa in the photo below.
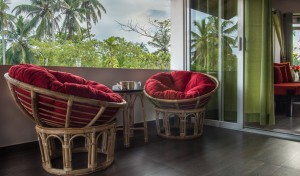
(286, 90)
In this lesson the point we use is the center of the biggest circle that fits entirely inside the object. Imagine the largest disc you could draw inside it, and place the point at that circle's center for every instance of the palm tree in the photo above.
(205, 41)
(19, 51)
(227, 29)
(92, 10)
(43, 17)
(199, 41)
(6, 21)
(73, 17)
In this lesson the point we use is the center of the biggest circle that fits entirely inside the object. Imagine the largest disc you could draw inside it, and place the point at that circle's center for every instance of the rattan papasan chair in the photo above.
(179, 99)
(74, 117)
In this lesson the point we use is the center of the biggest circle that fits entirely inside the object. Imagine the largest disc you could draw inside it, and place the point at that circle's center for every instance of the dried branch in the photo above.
(130, 27)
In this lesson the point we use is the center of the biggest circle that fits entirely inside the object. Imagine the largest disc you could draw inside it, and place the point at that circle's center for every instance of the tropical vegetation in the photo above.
(205, 41)
(296, 48)
(58, 32)
(6, 22)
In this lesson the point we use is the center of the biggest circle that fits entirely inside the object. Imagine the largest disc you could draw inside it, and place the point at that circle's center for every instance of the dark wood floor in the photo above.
(219, 151)
(283, 122)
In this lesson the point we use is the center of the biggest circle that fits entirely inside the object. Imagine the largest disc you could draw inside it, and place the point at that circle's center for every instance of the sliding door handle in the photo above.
(240, 43)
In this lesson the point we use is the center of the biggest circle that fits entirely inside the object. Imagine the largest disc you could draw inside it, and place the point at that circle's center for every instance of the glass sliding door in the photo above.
(215, 49)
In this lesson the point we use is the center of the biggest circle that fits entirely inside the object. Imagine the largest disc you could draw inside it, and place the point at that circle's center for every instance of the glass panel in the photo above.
(214, 51)
(296, 46)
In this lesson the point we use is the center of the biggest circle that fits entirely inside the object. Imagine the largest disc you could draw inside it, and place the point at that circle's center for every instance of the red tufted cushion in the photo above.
(163, 77)
(33, 75)
(180, 78)
(64, 83)
(168, 85)
(198, 85)
(287, 71)
(283, 74)
(277, 75)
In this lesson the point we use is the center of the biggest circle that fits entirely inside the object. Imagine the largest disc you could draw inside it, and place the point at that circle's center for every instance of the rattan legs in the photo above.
(99, 146)
(179, 124)
(128, 117)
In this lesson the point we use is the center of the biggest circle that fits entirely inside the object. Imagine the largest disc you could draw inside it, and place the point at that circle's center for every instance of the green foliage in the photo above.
(52, 35)
(19, 50)
(296, 60)
(6, 22)
(92, 10)
(131, 55)
(65, 53)
(162, 36)
(205, 44)
(114, 52)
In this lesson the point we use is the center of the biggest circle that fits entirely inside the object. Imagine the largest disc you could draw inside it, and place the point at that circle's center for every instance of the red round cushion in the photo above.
(62, 82)
(179, 85)
(66, 83)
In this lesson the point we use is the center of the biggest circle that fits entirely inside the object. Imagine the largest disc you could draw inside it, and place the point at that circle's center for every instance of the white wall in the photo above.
(16, 128)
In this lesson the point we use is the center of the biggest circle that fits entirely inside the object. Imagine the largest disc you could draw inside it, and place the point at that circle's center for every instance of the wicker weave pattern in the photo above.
(28, 99)
(58, 125)
(178, 124)
(99, 148)
(188, 113)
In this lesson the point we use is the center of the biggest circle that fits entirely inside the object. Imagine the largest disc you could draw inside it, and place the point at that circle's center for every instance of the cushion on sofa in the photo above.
(277, 75)
(283, 74)
(192, 85)
(287, 69)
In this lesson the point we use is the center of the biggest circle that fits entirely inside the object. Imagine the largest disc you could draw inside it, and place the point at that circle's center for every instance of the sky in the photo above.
(123, 11)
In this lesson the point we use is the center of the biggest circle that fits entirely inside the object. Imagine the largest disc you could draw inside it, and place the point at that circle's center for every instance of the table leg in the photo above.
(126, 127)
(128, 118)
(131, 120)
(144, 118)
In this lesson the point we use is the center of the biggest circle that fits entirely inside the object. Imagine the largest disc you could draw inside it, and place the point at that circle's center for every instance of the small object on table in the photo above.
(128, 118)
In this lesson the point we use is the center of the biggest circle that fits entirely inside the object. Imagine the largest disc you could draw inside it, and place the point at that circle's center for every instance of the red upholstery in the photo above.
(288, 73)
(178, 85)
(283, 74)
(180, 79)
(66, 83)
(62, 82)
(283, 88)
(277, 75)
(282, 71)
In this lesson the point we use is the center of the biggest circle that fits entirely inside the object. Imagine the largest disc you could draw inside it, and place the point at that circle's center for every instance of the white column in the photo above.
(178, 26)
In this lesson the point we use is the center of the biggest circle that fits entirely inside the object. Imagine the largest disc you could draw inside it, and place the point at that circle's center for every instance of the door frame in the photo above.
(240, 78)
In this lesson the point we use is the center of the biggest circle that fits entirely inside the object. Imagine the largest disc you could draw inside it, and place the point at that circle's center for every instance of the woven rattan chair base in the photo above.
(179, 124)
(97, 144)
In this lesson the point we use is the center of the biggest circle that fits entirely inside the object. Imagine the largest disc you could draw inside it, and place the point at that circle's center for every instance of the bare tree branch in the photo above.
(130, 27)
(159, 32)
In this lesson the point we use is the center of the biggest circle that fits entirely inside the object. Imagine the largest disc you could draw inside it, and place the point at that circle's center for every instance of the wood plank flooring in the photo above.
(219, 152)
